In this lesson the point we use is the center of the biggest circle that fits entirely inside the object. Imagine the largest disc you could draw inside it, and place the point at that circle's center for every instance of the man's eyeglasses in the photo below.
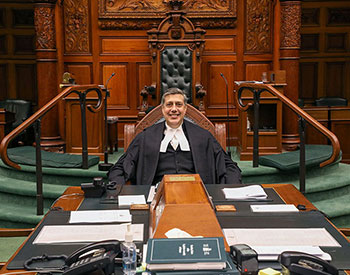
(171, 104)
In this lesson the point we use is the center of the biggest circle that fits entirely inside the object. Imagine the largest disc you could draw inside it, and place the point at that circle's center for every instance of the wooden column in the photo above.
(46, 58)
(289, 61)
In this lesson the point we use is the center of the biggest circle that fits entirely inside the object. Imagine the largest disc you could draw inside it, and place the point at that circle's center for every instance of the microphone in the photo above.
(228, 116)
(105, 166)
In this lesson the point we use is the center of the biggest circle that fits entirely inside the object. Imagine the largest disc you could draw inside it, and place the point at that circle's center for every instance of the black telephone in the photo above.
(96, 256)
(301, 263)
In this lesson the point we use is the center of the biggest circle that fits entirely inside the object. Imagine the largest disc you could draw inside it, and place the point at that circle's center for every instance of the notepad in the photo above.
(127, 200)
(100, 216)
(245, 193)
(274, 208)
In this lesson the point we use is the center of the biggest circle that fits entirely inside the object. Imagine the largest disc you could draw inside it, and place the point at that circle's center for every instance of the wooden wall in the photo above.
(92, 46)
(325, 50)
(17, 51)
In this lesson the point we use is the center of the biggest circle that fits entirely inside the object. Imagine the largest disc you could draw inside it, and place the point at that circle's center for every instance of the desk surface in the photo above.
(73, 197)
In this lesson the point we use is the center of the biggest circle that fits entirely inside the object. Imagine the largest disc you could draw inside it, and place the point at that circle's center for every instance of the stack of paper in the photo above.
(127, 200)
(274, 208)
(245, 193)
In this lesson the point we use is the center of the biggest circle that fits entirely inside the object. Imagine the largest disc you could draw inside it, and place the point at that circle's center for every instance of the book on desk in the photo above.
(186, 254)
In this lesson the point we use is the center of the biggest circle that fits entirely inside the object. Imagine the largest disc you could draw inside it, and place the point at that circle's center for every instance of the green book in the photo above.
(186, 254)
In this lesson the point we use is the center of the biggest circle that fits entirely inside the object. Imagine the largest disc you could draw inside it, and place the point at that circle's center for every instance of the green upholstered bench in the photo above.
(289, 161)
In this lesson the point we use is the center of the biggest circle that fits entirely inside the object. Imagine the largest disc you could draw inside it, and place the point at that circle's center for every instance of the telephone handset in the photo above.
(99, 255)
(301, 263)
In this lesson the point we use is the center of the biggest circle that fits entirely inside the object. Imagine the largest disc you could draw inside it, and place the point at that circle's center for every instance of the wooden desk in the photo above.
(6, 119)
(336, 119)
(74, 197)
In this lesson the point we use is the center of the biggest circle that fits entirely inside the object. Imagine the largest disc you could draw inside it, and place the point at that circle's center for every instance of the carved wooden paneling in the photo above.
(82, 73)
(124, 45)
(310, 17)
(220, 45)
(258, 26)
(253, 71)
(290, 24)
(216, 92)
(134, 14)
(118, 86)
(144, 73)
(23, 18)
(325, 50)
(335, 78)
(26, 82)
(336, 42)
(3, 81)
(338, 16)
(3, 47)
(310, 42)
(45, 27)
(2, 17)
(77, 26)
(308, 76)
(24, 44)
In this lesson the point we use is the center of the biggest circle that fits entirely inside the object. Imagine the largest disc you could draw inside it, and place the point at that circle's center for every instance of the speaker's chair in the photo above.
(218, 130)
(176, 47)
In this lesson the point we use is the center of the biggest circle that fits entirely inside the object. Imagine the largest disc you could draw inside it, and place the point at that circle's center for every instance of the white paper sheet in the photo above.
(86, 233)
(280, 237)
(274, 208)
(127, 200)
(270, 253)
(246, 192)
(152, 192)
(100, 216)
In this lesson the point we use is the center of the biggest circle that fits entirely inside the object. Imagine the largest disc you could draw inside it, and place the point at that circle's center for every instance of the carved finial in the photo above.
(176, 4)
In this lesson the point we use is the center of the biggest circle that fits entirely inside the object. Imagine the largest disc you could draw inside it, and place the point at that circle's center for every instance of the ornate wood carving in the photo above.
(339, 16)
(290, 24)
(135, 14)
(258, 26)
(45, 27)
(76, 22)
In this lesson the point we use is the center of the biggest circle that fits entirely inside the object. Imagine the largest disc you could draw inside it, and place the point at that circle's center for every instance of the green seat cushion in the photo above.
(26, 155)
(289, 161)
(8, 246)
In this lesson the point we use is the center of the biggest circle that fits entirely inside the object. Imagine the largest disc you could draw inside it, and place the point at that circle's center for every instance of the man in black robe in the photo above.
(175, 146)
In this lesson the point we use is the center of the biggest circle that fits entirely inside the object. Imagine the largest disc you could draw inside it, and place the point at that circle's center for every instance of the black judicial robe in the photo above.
(139, 163)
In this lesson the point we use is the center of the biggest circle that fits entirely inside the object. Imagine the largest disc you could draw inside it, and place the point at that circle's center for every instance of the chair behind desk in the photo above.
(218, 130)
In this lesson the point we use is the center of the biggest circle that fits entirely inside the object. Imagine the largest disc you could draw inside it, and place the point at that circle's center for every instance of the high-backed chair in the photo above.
(176, 47)
(218, 130)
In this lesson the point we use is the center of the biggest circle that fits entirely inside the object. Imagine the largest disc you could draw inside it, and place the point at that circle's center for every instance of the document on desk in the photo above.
(127, 200)
(273, 208)
(280, 237)
(100, 216)
(86, 233)
(245, 193)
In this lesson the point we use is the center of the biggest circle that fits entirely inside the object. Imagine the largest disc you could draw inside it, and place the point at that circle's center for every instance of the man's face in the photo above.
(174, 110)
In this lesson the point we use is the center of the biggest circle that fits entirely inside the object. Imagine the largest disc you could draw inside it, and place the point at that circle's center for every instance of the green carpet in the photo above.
(326, 187)
(26, 155)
